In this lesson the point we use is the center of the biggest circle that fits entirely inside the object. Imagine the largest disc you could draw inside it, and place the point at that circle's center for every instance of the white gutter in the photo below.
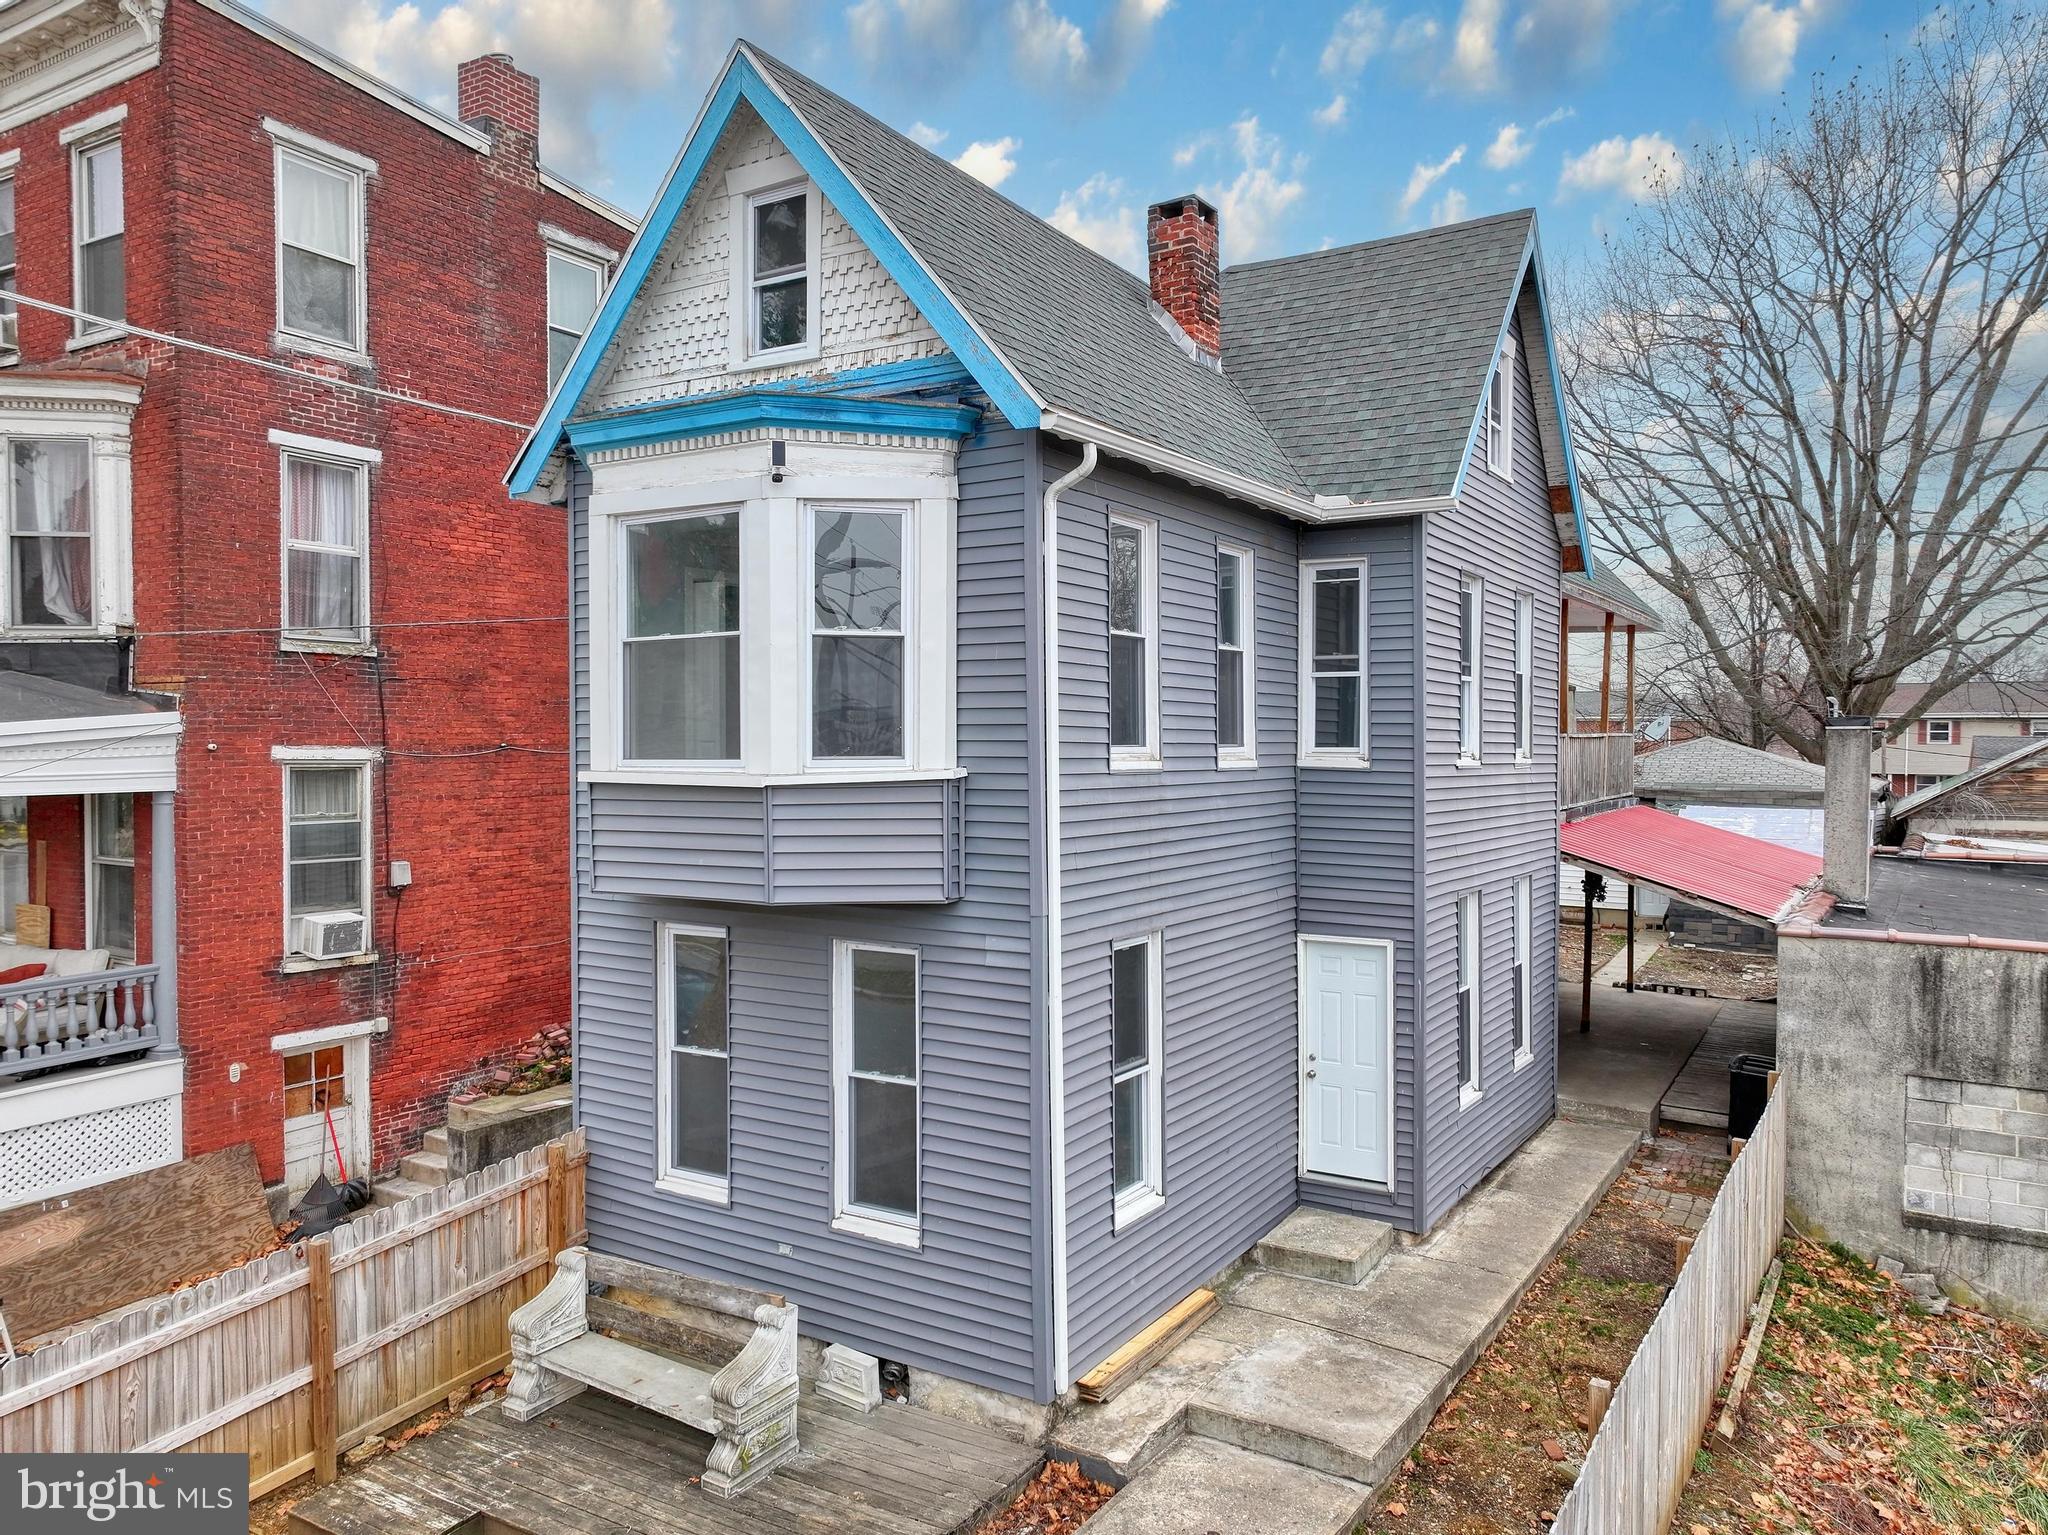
(1055, 1009)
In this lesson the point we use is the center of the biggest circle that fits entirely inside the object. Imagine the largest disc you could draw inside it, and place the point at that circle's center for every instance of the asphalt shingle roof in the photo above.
(1604, 588)
(1368, 362)
(1709, 765)
(1974, 700)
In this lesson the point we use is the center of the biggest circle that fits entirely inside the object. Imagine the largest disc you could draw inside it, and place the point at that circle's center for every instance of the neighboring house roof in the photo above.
(1988, 749)
(1915, 804)
(25, 698)
(1973, 700)
(1710, 766)
(1745, 876)
(1368, 361)
(1910, 894)
(1602, 588)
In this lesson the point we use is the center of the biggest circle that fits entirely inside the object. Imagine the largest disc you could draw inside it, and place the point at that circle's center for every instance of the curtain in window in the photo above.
(326, 840)
(316, 220)
(52, 532)
(323, 564)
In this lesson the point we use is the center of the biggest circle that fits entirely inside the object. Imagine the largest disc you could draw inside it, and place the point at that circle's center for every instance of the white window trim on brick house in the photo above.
(9, 340)
(346, 455)
(581, 253)
(85, 139)
(99, 412)
(289, 142)
(365, 760)
(746, 187)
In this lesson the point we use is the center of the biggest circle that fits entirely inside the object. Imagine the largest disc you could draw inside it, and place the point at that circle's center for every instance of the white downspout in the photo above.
(1055, 960)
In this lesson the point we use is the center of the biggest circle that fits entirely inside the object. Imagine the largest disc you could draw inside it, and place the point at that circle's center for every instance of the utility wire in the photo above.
(408, 623)
(301, 375)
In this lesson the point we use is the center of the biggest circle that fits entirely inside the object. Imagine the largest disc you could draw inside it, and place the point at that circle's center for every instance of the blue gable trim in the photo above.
(742, 82)
(772, 408)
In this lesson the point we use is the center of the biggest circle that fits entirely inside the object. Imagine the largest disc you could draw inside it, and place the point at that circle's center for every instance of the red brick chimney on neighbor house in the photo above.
(495, 95)
(1181, 247)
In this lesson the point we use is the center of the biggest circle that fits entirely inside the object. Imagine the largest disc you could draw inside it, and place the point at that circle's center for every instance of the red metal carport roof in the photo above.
(1743, 875)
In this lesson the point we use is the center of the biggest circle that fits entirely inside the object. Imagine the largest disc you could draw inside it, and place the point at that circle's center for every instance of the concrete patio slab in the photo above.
(1201, 1487)
(1542, 1171)
(1617, 1074)
(1416, 1304)
(1324, 1244)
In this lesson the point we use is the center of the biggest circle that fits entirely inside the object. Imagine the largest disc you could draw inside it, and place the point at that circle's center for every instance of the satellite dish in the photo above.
(1658, 728)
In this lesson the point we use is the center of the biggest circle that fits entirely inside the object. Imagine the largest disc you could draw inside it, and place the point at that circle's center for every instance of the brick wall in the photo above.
(468, 706)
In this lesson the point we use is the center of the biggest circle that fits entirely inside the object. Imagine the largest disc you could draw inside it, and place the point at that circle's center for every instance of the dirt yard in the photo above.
(1571, 947)
(1505, 1448)
(1738, 973)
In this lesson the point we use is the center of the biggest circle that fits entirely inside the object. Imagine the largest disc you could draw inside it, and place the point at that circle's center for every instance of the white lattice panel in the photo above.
(83, 1149)
(677, 341)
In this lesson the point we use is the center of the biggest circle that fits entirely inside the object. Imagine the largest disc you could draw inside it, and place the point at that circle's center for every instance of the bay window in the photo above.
(875, 1050)
(50, 533)
(694, 1077)
(1333, 702)
(858, 634)
(681, 634)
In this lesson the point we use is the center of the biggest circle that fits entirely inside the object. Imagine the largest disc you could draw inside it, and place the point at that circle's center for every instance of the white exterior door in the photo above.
(1346, 1046)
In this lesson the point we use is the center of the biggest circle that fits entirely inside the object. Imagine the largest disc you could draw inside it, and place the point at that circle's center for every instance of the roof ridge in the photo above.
(1527, 213)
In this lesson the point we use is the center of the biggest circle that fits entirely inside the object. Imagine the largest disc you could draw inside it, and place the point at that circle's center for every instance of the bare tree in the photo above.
(1807, 379)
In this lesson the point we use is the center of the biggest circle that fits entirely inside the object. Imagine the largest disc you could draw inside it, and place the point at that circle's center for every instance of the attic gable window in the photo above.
(778, 268)
(1500, 413)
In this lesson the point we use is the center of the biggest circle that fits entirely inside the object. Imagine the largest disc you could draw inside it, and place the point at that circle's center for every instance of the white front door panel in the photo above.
(1346, 1012)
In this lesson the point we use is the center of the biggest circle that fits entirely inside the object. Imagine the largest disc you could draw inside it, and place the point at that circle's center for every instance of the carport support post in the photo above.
(1587, 885)
(1631, 939)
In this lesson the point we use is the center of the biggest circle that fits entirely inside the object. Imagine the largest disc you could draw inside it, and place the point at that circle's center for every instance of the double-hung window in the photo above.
(1500, 414)
(99, 232)
(8, 337)
(326, 549)
(1468, 999)
(859, 627)
(1938, 732)
(320, 291)
(681, 636)
(779, 291)
(111, 848)
(1525, 666)
(575, 283)
(49, 533)
(1138, 1100)
(326, 852)
(875, 1037)
(1471, 610)
(1236, 692)
(695, 1064)
(1133, 642)
(1524, 952)
(1333, 703)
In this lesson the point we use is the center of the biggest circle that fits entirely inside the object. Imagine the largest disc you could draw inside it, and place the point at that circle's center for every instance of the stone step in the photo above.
(429, 1167)
(1199, 1487)
(436, 1141)
(391, 1191)
(1322, 1244)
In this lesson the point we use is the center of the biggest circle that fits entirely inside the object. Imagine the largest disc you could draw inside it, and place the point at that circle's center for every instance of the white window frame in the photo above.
(100, 624)
(93, 860)
(556, 250)
(1246, 753)
(1149, 1193)
(891, 1226)
(287, 143)
(1948, 732)
(362, 759)
(1525, 677)
(10, 340)
(97, 414)
(667, 1176)
(1144, 757)
(339, 455)
(1498, 423)
(1467, 920)
(1472, 685)
(2037, 727)
(85, 139)
(906, 631)
(623, 571)
(1307, 753)
(1525, 951)
(749, 195)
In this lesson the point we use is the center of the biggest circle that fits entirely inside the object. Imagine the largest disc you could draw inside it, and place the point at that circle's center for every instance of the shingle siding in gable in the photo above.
(1207, 858)
(1490, 824)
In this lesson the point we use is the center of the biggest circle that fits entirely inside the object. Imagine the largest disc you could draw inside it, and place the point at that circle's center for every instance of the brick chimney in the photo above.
(1181, 248)
(495, 95)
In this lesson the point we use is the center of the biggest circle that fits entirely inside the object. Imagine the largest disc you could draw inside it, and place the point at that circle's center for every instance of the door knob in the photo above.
(1311, 1071)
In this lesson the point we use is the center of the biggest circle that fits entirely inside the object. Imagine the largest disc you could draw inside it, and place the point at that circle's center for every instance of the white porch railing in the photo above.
(67, 1019)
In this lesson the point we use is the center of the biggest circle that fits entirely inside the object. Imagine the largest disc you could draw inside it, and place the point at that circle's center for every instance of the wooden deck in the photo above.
(1699, 1094)
(602, 1466)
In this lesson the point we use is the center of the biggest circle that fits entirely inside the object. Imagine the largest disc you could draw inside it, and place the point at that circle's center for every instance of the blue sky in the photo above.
(1307, 124)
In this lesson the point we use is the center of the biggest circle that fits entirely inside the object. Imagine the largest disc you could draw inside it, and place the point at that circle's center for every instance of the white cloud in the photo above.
(1474, 64)
(1425, 176)
(1332, 116)
(1051, 48)
(1357, 36)
(1449, 208)
(1637, 167)
(989, 160)
(1187, 154)
(1096, 214)
(584, 51)
(1267, 184)
(927, 135)
(1514, 143)
(1765, 38)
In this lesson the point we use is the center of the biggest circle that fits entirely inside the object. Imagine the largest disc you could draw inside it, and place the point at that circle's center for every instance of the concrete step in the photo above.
(391, 1191)
(436, 1141)
(1322, 1244)
(429, 1167)
(1199, 1487)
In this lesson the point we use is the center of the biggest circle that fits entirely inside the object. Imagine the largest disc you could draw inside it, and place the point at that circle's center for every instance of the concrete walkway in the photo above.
(1300, 1395)
(1652, 1055)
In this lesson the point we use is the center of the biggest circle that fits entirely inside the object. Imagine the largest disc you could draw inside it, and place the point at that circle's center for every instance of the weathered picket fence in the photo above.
(297, 1356)
(1639, 1460)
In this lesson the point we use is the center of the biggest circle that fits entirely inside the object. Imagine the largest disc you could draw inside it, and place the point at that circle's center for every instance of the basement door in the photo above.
(1347, 1020)
(326, 1106)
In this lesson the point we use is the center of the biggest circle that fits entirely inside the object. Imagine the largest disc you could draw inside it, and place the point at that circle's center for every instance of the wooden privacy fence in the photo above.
(1643, 1452)
(294, 1357)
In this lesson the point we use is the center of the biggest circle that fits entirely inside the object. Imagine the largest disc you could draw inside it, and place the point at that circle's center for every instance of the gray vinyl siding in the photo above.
(1490, 824)
(1357, 864)
(968, 1303)
(1205, 857)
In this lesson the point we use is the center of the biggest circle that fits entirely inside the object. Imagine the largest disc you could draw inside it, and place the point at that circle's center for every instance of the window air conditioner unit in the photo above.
(329, 935)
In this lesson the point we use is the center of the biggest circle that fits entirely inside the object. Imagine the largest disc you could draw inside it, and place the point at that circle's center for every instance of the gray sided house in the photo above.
(1065, 768)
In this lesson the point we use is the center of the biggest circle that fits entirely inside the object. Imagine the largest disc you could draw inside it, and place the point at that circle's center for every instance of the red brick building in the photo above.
(276, 606)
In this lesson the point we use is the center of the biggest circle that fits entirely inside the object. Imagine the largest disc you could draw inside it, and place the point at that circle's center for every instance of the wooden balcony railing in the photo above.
(1592, 769)
(65, 1019)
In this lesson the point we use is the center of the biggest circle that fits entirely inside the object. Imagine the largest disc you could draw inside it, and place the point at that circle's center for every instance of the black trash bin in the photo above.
(1749, 1089)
